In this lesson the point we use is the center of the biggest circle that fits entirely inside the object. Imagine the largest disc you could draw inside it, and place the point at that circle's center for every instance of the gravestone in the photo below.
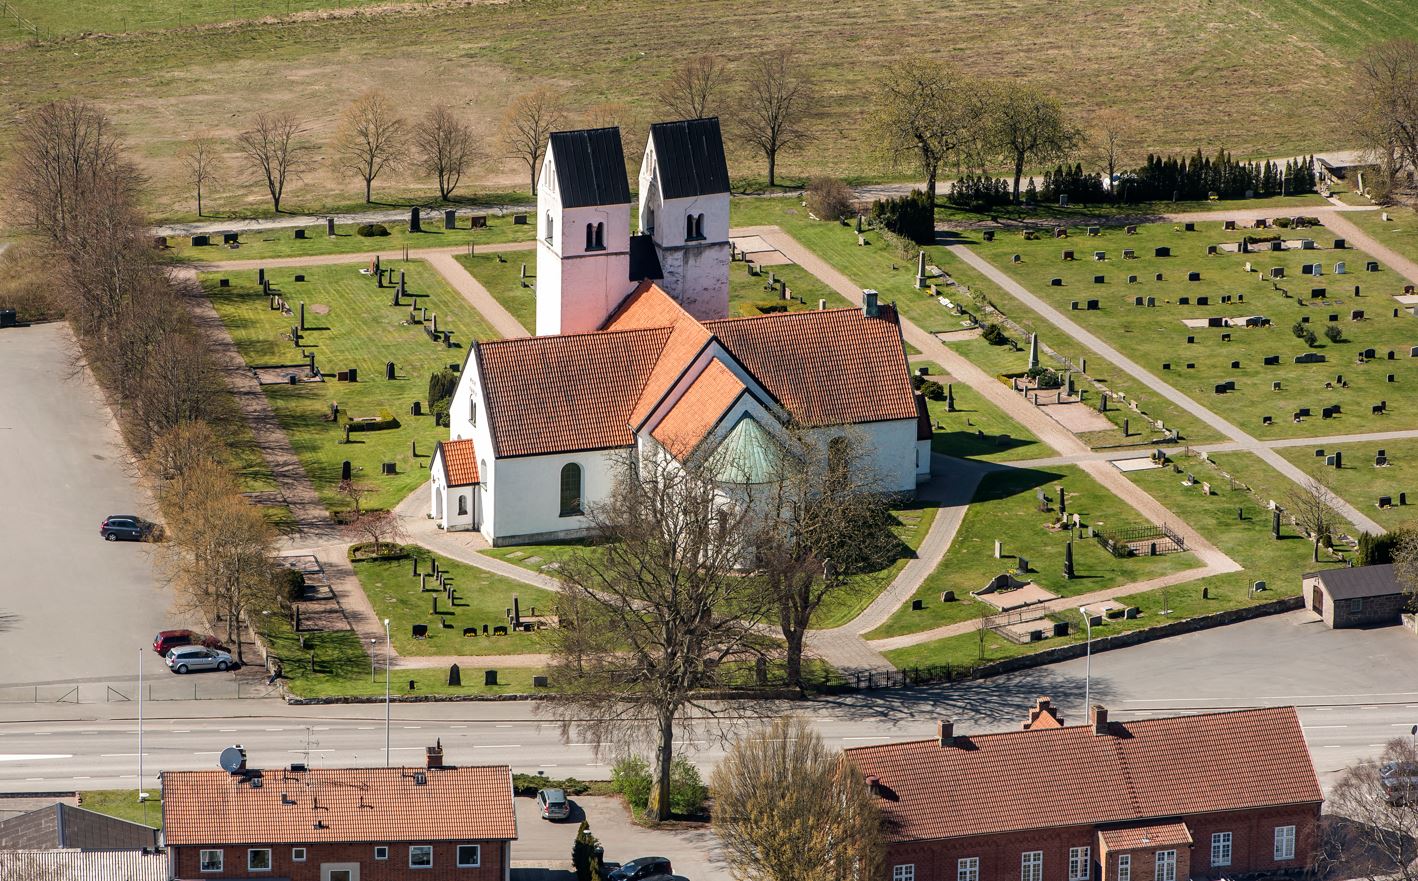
(1094, 231)
(1129, 254)
(1056, 282)
(1100, 256)
(1060, 232)
(1371, 266)
(415, 224)
(1132, 279)
(1339, 268)
(299, 232)
(1092, 305)
(1162, 252)
(988, 235)
(455, 676)
(450, 218)
(1099, 279)
(1015, 258)
(200, 241)
(1190, 227)
(1067, 255)
(1211, 250)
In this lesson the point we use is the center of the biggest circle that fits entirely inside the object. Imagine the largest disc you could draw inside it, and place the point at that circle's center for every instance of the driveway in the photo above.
(693, 851)
(87, 608)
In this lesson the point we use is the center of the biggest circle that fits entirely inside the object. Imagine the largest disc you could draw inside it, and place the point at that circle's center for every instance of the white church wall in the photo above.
(529, 508)
(923, 461)
(577, 289)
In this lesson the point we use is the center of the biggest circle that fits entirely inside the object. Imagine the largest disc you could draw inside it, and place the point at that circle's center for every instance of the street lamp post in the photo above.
(1088, 660)
(373, 644)
(387, 703)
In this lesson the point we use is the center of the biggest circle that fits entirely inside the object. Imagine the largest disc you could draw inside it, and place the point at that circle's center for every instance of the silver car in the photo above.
(185, 659)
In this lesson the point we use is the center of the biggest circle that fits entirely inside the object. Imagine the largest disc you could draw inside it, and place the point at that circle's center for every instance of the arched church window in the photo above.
(551, 226)
(462, 505)
(600, 236)
(570, 489)
(688, 227)
(699, 226)
(595, 237)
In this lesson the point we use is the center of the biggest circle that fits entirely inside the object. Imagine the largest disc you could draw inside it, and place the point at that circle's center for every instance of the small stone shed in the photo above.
(1361, 596)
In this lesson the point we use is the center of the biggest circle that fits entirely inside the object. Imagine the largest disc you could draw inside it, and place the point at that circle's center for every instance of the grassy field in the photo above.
(363, 331)
(1247, 541)
(275, 243)
(976, 429)
(1005, 508)
(1197, 61)
(124, 804)
(1157, 338)
(481, 598)
(1361, 483)
(1399, 232)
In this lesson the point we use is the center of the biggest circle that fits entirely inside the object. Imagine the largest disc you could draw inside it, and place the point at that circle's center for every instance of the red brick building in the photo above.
(1210, 796)
(435, 823)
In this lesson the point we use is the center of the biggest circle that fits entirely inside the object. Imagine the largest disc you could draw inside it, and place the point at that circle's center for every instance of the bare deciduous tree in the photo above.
(355, 493)
(274, 151)
(1312, 505)
(786, 808)
(694, 87)
(1111, 130)
(1028, 126)
(774, 106)
(446, 147)
(922, 113)
(372, 136)
(1405, 566)
(1373, 818)
(65, 152)
(649, 617)
(201, 161)
(526, 126)
(1384, 106)
(381, 528)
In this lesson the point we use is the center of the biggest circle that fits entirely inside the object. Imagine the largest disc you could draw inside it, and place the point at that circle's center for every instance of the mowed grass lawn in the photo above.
(282, 243)
(1361, 483)
(1399, 232)
(480, 598)
(360, 330)
(1005, 508)
(1157, 338)
(976, 428)
(1247, 541)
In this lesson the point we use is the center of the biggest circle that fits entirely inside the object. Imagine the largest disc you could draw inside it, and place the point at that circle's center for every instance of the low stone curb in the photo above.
(291, 700)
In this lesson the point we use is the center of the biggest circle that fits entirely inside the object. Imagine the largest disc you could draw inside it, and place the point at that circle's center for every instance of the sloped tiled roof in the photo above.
(460, 462)
(590, 167)
(699, 409)
(690, 156)
(339, 804)
(826, 367)
(1145, 769)
(650, 307)
(552, 394)
(1152, 835)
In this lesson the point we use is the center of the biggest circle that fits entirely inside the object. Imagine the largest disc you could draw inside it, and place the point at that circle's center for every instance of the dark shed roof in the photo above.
(690, 156)
(590, 167)
(644, 261)
(1360, 581)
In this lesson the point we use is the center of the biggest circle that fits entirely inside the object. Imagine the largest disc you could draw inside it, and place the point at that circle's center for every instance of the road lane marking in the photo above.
(121, 755)
(33, 757)
(411, 727)
(499, 746)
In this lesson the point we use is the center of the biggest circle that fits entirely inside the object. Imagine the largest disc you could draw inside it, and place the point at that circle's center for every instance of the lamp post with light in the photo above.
(387, 702)
(1087, 660)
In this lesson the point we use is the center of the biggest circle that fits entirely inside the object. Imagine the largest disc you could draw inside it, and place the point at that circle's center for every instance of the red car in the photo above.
(168, 640)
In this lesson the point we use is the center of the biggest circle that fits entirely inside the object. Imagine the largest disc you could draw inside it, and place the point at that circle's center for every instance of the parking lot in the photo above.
(87, 608)
(542, 843)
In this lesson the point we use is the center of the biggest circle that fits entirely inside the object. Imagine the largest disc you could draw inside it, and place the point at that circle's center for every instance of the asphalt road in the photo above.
(85, 606)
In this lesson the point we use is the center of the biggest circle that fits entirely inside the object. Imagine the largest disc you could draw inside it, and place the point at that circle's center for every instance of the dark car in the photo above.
(641, 869)
(167, 640)
(125, 527)
(1399, 781)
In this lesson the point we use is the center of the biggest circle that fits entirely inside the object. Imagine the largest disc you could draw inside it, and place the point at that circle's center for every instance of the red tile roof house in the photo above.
(437, 823)
(1215, 795)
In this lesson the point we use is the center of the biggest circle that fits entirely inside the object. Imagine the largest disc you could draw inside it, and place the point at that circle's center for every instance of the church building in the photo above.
(635, 349)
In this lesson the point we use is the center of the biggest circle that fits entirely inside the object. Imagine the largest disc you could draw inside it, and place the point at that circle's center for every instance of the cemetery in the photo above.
(438, 606)
(1395, 227)
(355, 413)
(1379, 478)
(1007, 509)
(1273, 346)
(964, 424)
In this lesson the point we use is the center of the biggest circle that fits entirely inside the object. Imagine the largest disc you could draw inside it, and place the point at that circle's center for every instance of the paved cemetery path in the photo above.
(431, 216)
(1342, 227)
(463, 546)
(472, 290)
(1102, 347)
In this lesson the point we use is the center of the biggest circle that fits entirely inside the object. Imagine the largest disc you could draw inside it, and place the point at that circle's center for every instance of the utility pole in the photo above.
(387, 702)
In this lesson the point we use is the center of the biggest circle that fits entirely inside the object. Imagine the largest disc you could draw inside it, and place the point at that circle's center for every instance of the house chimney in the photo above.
(1043, 715)
(1099, 716)
(874, 785)
(435, 755)
(945, 732)
(869, 306)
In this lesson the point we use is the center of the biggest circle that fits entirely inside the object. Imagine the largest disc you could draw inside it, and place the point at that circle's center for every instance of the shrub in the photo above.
(1334, 333)
(933, 390)
(630, 776)
(994, 336)
(1282, 222)
(371, 230)
(1044, 378)
(293, 586)
(585, 854)
(441, 386)
(440, 412)
(1310, 338)
(911, 215)
(526, 785)
(1299, 330)
(385, 420)
(1377, 549)
(687, 790)
(828, 198)
(917, 380)
(768, 307)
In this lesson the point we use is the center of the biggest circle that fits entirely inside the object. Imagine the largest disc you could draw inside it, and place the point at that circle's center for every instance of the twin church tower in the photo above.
(588, 261)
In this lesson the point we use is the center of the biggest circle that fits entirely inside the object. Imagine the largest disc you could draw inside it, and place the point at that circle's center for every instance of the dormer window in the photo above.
(693, 227)
(595, 237)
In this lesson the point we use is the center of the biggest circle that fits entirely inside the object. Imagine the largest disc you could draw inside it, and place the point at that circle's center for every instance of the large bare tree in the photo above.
(527, 124)
(1312, 504)
(1109, 140)
(1373, 818)
(650, 616)
(820, 528)
(786, 808)
(922, 114)
(1384, 106)
(201, 161)
(65, 153)
(695, 87)
(1028, 126)
(372, 137)
(446, 147)
(774, 106)
(274, 150)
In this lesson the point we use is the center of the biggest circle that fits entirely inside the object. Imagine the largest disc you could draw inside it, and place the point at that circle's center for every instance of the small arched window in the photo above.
(688, 227)
(699, 226)
(600, 236)
(462, 505)
(595, 237)
(551, 226)
(570, 489)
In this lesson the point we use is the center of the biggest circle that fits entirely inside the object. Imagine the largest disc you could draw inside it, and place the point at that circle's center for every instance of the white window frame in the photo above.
(1079, 863)
(1220, 849)
(381, 852)
(1284, 843)
(903, 872)
(297, 854)
(1166, 866)
(202, 860)
(420, 847)
(1124, 867)
(1356, 605)
(967, 869)
(251, 852)
(1031, 865)
(477, 856)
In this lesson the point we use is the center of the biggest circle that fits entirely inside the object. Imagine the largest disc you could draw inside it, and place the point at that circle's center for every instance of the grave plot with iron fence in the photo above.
(1142, 541)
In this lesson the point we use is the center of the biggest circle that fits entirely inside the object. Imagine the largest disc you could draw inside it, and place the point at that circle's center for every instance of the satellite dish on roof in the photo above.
(233, 759)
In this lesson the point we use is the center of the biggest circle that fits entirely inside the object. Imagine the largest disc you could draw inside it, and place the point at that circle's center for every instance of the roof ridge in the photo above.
(794, 313)
(578, 335)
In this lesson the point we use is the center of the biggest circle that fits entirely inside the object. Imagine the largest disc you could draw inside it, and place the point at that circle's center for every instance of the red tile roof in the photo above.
(551, 394)
(826, 367)
(1153, 835)
(1069, 776)
(648, 307)
(339, 804)
(699, 409)
(460, 462)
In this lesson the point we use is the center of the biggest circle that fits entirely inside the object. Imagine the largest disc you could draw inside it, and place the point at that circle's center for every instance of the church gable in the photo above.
(698, 410)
